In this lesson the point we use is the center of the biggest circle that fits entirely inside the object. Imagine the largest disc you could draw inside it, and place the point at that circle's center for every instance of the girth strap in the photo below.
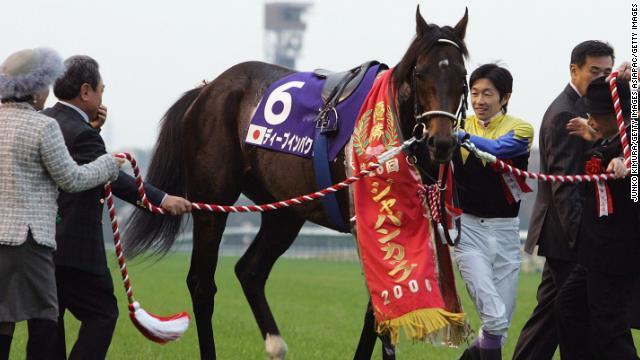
(325, 127)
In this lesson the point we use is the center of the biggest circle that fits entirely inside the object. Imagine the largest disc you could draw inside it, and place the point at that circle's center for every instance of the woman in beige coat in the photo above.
(34, 163)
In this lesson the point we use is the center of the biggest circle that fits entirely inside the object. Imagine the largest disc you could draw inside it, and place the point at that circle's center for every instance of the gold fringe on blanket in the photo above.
(435, 326)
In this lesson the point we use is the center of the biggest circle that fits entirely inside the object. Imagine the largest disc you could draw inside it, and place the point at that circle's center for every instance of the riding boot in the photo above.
(491, 354)
(490, 346)
(5, 346)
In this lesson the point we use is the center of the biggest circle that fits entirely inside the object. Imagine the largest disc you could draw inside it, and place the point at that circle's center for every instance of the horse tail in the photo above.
(143, 230)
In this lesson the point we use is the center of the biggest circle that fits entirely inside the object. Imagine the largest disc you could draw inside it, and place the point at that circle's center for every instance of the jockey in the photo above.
(488, 254)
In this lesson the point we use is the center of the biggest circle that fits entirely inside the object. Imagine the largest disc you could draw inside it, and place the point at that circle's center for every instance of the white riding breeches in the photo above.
(488, 257)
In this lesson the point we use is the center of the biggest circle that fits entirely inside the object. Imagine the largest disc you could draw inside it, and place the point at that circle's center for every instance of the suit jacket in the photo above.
(557, 212)
(79, 225)
(610, 244)
(33, 163)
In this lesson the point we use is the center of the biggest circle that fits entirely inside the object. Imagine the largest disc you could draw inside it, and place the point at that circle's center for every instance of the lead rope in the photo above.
(165, 329)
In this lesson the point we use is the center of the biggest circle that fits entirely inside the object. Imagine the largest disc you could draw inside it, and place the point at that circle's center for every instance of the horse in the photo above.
(200, 154)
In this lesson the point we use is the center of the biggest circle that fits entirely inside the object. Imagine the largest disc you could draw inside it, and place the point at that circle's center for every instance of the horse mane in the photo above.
(422, 44)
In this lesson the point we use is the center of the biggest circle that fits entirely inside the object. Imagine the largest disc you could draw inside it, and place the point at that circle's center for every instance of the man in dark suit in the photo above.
(594, 300)
(558, 209)
(84, 283)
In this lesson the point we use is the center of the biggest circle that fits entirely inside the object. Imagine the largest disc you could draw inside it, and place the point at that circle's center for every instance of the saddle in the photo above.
(342, 84)
(336, 88)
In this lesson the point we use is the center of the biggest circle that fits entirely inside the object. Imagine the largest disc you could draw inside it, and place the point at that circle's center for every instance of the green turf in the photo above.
(319, 307)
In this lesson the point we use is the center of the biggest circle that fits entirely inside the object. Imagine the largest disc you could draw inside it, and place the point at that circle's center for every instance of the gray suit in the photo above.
(34, 162)
(554, 225)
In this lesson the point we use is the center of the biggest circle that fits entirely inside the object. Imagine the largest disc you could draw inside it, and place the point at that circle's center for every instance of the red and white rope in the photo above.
(164, 329)
(158, 329)
(626, 150)
(433, 201)
(161, 330)
(116, 242)
(381, 159)
(501, 165)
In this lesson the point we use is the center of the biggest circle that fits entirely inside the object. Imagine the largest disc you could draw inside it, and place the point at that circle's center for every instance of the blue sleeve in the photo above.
(506, 146)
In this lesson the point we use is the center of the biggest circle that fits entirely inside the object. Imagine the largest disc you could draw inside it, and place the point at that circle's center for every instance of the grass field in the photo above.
(319, 307)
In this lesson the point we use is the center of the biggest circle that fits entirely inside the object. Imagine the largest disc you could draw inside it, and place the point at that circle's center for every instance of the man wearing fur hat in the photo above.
(85, 287)
(594, 300)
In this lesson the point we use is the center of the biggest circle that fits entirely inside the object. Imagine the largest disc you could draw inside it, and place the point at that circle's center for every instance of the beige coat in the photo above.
(34, 163)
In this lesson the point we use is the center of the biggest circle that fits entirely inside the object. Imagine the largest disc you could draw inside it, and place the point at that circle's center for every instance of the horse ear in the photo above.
(461, 26)
(421, 24)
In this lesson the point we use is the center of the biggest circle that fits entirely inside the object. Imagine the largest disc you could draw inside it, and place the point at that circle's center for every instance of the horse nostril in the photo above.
(441, 147)
(431, 142)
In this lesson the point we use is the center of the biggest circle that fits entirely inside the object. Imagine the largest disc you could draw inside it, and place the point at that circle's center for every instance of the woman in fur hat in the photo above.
(34, 163)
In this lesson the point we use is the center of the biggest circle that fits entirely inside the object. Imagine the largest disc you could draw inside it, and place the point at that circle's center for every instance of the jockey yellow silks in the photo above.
(498, 126)
(395, 238)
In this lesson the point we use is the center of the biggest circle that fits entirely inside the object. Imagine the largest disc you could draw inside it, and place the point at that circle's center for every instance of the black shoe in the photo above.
(471, 353)
(5, 346)
(491, 354)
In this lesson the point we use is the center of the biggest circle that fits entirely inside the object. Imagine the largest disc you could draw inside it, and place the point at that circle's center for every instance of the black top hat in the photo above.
(598, 98)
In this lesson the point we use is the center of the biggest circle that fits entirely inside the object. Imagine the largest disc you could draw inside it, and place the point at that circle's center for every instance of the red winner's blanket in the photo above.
(395, 238)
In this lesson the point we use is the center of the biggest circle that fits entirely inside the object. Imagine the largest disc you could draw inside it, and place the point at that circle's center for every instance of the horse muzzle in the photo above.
(441, 148)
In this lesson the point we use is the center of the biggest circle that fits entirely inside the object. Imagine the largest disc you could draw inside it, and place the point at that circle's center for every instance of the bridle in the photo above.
(437, 203)
(422, 119)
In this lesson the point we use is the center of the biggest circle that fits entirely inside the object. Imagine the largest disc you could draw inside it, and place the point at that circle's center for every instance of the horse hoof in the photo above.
(276, 347)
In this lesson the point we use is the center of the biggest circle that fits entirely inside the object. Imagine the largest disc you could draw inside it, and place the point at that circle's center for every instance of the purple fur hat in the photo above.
(28, 71)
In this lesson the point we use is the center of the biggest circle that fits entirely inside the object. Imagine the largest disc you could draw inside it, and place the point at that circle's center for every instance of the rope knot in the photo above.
(431, 197)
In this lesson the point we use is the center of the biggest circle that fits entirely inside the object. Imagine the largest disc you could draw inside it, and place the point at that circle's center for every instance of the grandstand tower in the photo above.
(284, 30)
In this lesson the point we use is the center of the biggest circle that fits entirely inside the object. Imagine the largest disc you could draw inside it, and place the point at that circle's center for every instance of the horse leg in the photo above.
(388, 350)
(207, 233)
(368, 339)
(277, 231)
(367, 336)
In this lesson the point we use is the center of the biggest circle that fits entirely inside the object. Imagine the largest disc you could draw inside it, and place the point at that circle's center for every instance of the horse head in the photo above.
(431, 86)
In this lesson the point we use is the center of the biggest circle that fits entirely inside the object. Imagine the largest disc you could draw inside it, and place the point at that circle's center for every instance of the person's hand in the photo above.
(580, 127)
(176, 205)
(624, 71)
(617, 167)
(100, 119)
(120, 161)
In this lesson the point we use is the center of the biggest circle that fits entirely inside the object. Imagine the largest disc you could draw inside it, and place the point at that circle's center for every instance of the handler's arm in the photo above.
(89, 146)
(564, 157)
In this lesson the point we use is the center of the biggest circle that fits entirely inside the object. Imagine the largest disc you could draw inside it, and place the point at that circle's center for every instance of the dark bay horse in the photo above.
(201, 154)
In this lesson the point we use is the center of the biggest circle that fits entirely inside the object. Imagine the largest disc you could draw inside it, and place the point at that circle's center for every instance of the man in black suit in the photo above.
(558, 209)
(84, 283)
(594, 300)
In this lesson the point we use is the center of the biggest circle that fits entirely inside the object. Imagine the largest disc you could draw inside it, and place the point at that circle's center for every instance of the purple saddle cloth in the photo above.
(285, 119)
